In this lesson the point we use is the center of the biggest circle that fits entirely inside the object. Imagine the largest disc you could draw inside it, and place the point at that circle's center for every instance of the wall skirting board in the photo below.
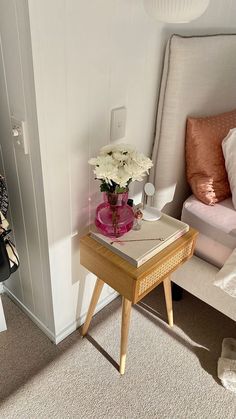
(34, 318)
(77, 323)
(3, 325)
(57, 338)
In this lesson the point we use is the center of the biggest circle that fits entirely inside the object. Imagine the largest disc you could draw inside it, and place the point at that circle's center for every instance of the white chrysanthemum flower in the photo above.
(118, 165)
(105, 168)
(93, 161)
(122, 178)
(144, 162)
(120, 156)
(106, 149)
(134, 169)
(112, 148)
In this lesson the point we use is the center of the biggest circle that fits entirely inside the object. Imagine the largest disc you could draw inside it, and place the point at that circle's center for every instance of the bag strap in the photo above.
(4, 233)
(14, 253)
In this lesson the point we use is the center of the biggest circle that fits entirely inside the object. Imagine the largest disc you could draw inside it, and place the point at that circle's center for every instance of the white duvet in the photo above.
(226, 277)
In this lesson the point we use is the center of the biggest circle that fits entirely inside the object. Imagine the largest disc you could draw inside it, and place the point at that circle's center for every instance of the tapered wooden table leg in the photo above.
(168, 298)
(96, 294)
(126, 310)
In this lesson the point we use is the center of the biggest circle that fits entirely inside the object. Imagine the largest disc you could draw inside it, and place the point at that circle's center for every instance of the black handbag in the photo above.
(3, 196)
(9, 260)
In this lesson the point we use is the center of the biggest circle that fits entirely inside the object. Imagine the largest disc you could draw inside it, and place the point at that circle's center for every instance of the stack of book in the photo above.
(137, 247)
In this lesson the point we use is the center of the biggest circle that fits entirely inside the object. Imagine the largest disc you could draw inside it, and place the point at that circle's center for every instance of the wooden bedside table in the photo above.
(131, 282)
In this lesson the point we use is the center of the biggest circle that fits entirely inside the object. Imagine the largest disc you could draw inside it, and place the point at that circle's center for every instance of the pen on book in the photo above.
(136, 240)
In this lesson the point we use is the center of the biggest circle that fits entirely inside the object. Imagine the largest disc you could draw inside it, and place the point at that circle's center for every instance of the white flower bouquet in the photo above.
(118, 165)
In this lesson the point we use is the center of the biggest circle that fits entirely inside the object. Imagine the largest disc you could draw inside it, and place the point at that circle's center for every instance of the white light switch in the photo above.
(118, 123)
(19, 134)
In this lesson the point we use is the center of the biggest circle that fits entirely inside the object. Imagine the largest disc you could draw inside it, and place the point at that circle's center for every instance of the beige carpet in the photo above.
(169, 374)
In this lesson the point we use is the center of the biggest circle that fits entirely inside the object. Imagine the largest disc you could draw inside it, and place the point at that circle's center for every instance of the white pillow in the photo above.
(229, 151)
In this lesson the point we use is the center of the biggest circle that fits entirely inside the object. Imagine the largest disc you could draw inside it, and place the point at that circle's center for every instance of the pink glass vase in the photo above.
(113, 216)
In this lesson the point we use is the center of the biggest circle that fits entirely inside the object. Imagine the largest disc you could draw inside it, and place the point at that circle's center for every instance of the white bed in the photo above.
(216, 226)
(199, 78)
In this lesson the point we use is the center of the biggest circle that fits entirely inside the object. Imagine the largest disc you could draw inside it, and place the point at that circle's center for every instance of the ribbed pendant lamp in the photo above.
(176, 11)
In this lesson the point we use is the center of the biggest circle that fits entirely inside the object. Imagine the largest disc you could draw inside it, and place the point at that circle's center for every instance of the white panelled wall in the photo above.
(88, 58)
(30, 286)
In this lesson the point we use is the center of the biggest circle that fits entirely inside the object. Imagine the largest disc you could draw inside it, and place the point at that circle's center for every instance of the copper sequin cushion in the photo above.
(205, 164)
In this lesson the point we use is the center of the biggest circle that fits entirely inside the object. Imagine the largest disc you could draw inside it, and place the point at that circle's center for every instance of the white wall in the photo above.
(90, 56)
(30, 286)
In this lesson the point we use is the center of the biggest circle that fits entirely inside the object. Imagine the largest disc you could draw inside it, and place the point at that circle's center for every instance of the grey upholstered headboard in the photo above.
(199, 79)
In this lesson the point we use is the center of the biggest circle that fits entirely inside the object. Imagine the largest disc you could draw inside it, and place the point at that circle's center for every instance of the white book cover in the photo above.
(137, 247)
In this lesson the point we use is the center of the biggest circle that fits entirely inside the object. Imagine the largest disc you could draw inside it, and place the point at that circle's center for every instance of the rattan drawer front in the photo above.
(164, 268)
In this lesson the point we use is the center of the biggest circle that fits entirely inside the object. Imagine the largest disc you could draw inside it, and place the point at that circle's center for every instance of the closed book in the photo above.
(137, 247)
